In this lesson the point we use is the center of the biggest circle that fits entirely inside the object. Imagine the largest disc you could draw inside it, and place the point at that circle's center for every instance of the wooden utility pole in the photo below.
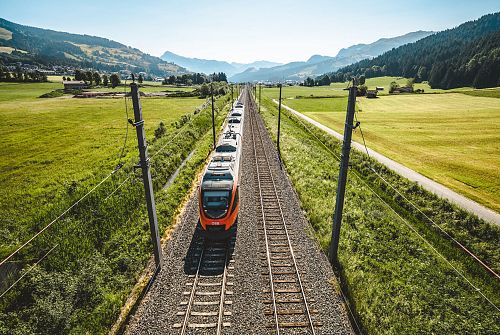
(279, 124)
(342, 180)
(146, 174)
(213, 112)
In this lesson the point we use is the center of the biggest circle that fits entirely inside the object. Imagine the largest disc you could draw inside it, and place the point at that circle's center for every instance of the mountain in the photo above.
(467, 55)
(210, 66)
(25, 44)
(319, 64)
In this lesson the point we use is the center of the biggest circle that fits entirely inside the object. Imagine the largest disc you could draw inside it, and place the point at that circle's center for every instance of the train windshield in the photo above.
(215, 200)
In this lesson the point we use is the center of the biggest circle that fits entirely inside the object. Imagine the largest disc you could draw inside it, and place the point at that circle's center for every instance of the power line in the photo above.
(57, 218)
(169, 142)
(29, 270)
(119, 186)
(430, 245)
(470, 253)
(404, 220)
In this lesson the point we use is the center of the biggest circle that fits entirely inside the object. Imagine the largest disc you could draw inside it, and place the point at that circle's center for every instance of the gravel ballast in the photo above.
(157, 312)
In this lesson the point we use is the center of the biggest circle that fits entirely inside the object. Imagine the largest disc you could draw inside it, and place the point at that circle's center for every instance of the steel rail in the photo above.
(193, 290)
(275, 312)
(223, 290)
(306, 305)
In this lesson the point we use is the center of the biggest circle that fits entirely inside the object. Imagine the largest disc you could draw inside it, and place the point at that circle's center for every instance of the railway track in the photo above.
(286, 301)
(206, 299)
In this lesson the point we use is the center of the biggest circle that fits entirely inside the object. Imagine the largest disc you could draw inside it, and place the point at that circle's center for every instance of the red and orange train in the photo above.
(218, 193)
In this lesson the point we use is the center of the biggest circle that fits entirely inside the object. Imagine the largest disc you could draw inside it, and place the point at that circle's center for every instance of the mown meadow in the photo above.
(99, 249)
(449, 138)
(397, 268)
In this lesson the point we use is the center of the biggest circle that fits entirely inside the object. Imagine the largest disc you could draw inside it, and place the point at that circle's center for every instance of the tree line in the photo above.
(468, 55)
(21, 76)
(194, 79)
(323, 80)
(95, 78)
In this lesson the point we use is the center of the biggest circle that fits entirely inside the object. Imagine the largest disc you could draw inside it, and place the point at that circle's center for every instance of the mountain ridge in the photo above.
(319, 64)
(466, 55)
(208, 66)
(50, 47)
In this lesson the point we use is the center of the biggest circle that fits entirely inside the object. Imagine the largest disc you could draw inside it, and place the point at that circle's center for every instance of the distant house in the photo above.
(74, 85)
(371, 93)
(380, 88)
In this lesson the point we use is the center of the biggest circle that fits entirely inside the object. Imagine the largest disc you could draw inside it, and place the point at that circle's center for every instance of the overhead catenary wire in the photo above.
(57, 218)
(175, 136)
(460, 245)
(118, 166)
(404, 220)
(28, 271)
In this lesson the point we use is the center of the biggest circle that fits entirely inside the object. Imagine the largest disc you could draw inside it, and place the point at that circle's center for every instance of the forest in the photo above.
(468, 55)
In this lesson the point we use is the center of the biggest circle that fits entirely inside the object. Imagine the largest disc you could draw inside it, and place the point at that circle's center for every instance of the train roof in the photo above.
(208, 185)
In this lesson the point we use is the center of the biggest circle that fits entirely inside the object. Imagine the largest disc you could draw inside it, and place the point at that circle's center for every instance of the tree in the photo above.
(324, 80)
(309, 82)
(410, 83)
(140, 79)
(115, 80)
(97, 78)
(393, 86)
(421, 74)
(105, 80)
(204, 90)
(89, 77)
(79, 75)
(361, 90)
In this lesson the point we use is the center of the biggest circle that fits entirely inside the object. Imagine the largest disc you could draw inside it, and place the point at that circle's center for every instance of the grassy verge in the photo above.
(103, 244)
(397, 283)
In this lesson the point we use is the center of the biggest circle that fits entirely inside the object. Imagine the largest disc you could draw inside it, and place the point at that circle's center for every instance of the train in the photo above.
(218, 193)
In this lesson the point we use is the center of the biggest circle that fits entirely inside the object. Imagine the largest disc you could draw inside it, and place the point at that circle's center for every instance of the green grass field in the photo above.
(451, 138)
(52, 143)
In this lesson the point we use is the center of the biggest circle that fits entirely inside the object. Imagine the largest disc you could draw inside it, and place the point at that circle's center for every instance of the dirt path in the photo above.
(428, 184)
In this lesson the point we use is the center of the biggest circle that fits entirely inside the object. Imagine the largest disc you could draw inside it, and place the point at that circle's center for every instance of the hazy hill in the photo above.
(49, 47)
(210, 66)
(468, 55)
(318, 64)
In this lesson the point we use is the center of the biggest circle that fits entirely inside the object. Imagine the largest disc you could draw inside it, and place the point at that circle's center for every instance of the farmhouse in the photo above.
(74, 85)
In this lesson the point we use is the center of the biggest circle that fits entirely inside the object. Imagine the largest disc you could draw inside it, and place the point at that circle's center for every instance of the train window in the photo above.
(225, 148)
(234, 121)
(215, 200)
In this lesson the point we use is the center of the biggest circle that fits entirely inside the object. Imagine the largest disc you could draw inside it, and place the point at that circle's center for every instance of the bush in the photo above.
(53, 94)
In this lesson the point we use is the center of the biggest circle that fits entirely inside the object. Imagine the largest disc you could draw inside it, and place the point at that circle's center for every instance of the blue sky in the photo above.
(245, 31)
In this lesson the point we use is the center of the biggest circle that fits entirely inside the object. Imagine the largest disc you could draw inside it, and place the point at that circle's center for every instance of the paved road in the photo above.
(428, 184)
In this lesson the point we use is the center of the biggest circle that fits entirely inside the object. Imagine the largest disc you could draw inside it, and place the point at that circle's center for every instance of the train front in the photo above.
(218, 194)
